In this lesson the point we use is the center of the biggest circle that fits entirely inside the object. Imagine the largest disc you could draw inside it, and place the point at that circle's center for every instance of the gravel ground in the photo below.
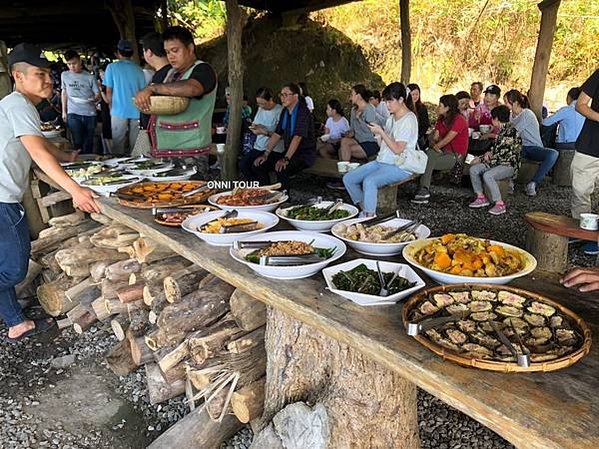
(46, 403)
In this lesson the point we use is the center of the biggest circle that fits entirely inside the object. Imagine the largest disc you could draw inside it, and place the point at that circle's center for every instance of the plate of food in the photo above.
(319, 217)
(288, 254)
(358, 281)
(115, 162)
(174, 216)
(459, 258)
(148, 167)
(50, 130)
(383, 239)
(105, 185)
(147, 195)
(222, 228)
(175, 174)
(263, 198)
(81, 170)
(497, 328)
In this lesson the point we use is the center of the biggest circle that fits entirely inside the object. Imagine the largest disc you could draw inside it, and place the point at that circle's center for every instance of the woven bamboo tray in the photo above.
(164, 105)
(504, 367)
(206, 207)
(173, 190)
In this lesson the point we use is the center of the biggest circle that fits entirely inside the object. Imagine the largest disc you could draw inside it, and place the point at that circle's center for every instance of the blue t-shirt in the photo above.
(125, 78)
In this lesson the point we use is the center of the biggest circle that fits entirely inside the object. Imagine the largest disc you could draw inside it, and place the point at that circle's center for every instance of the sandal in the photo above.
(42, 325)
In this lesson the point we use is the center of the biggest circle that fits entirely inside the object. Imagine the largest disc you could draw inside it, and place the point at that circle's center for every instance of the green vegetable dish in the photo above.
(311, 213)
(361, 279)
(289, 248)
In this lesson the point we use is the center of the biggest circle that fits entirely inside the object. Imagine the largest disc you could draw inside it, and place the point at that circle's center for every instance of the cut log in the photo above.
(130, 293)
(204, 344)
(197, 430)
(247, 342)
(208, 280)
(156, 272)
(114, 236)
(119, 359)
(54, 236)
(248, 402)
(76, 290)
(67, 220)
(159, 390)
(81, 318)
(97, 270)
(100, 310)
(52, 295)
(147, 250)
(114, 306)
(249, 313)
(183, 282)
(119, 326)
(177, 372)
(138, 320)
(64, 323)
(109, 288)
(139, 350)
(33, 271)
(120, 271)
(75, 262)
(101, 218)
(169, 358)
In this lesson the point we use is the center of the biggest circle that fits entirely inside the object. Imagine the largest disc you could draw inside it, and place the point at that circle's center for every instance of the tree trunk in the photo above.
(119, 359)
(549, 9)
(183, 282)
(159, 390)
(235, 64)
(248, 402)
(406, 41)
(249, 313)
(122, 14)
(367, 405)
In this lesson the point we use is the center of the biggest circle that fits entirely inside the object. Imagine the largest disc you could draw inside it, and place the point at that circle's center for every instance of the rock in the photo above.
(62, 362)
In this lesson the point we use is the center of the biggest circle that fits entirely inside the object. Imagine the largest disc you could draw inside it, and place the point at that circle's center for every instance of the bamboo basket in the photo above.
(164, 105)
(176, 197)
(504, 367)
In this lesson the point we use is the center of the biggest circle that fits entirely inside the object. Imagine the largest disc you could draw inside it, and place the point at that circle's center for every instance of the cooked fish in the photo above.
(434, 335)
(541, 309)
(519, 324)
(534, 319)
(532, 342)
(503, 350)
(489, 342)
(483, 316)
(480, 306)
(565, 336)
(476, 350)
(443, 300)
(449, 345)
(484, 295)
(462, 297)
(467, 326)
(511, 299)
(509, 311)
(457, 308)
(456, 336)
(556, 321)
(428, 308)
(541, 332)
(416, 315)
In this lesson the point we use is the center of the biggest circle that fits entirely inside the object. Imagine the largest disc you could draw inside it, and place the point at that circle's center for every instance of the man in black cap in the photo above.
(22, 141)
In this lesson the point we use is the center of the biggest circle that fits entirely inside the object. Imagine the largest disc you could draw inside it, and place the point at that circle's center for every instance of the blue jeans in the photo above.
(83, 130)
(364, 182)
(546, 156)
(15, 247)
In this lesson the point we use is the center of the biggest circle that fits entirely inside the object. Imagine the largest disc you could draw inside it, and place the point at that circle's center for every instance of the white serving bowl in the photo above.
(116, 161)
(378, 249)
(51, 134)
(150, 171)
(362, 299)
(317, 226)
(446, 278)
(264, 207)
(291, 272)
(111, 188)
(183, 177)
(194, 222)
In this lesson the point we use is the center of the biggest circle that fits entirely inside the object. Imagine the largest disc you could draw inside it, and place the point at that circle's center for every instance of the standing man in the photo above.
(476, 90)
(123, 80)
(22, 141)
(585, 165)
(186, 135)
(79, 96)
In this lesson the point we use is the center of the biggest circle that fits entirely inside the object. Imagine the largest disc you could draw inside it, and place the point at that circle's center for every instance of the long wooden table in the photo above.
(552, 410)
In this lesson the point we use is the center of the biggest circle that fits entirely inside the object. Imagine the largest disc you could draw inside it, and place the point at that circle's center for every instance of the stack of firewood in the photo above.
(194, 333)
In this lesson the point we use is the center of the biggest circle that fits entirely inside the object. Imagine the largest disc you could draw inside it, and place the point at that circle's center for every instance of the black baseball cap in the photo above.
(493, 89)
(29, 53)
(124, 45)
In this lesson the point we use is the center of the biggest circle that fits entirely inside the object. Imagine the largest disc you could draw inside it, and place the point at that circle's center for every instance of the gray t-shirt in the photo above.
(361, 130)
(81, 89)
(528, 126)
(18, 117)
(269, 119)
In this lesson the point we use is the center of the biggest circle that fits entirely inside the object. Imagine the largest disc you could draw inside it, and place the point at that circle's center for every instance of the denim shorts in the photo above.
(370, 148)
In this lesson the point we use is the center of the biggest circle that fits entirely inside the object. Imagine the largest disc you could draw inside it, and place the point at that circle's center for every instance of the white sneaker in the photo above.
(531, 189)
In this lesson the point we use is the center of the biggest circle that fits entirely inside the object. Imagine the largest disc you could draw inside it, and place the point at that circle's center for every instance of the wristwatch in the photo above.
(286, 159)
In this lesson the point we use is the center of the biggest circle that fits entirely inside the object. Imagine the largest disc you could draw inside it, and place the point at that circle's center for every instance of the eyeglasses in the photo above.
(285, 95)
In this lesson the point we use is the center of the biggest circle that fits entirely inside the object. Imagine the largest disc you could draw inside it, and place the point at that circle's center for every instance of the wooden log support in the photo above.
(119, 359)
(67, 220)
(368, 406)
(561, 170)
(54, 198)
(159, 390)
(182, 283)
(248, 402)
(148, 251)
(103, 219)
(387, 196)
(550, 250)
(248, 313)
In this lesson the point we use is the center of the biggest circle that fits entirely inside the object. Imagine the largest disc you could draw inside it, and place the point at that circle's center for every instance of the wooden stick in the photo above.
(248, 402)
(249, 313)
(64, 323)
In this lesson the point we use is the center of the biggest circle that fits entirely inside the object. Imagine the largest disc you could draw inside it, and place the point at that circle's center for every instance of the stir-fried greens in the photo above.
(312, 213)
(361, 279)
(289, 248)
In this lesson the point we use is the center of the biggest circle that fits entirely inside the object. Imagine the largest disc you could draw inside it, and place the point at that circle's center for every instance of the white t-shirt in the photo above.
(337, 128)
(269, 119)
(403, 130)
(309, 103)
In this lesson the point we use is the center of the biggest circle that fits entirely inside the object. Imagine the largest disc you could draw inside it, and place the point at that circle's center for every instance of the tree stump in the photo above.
(368, 406)
(527, 171)
(386, 199)
(561, 169)
(550, 250)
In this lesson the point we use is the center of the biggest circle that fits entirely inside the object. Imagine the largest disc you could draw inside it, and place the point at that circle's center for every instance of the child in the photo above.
(335, 128)
(502, 162)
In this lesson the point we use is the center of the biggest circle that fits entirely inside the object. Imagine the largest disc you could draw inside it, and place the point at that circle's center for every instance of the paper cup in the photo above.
(470, 131)
(484, 129)
(476, 135)
(590, 222)
(353, 165)
(342, 167)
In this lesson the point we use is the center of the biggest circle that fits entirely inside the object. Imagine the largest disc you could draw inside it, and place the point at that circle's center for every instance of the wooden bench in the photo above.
(387, 196)
(547, 239)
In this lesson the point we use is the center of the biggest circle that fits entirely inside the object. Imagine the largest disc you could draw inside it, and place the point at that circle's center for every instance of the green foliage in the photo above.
(205, 18)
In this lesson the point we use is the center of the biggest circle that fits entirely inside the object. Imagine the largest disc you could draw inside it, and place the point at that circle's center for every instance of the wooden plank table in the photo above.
(551, 410)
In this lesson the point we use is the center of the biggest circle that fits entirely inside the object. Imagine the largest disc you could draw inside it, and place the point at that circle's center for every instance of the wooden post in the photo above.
(550, 250)
(367, 405)
(235, 62)
(549, 10)
(406, 41)
(5, 84)
(122, 14)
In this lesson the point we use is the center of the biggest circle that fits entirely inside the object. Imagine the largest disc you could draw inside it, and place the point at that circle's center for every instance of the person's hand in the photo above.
(475, 161)
(259, 130)
(586, 278)
(71, 156)
(487, 156)
(376, 129)
(437, 148)
(142, 99)
(260, 160)
(64, 117)
(281, 165)
(349, 134)
(85, 200)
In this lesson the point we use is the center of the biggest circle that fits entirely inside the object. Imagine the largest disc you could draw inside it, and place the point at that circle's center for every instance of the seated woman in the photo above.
(525, 121)
(481, 116)
(296, 130)
(335, 128)
(449, 144)
(424, 122)
(502, 162)
(569, 120)
(399, 136)
(264, 125)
